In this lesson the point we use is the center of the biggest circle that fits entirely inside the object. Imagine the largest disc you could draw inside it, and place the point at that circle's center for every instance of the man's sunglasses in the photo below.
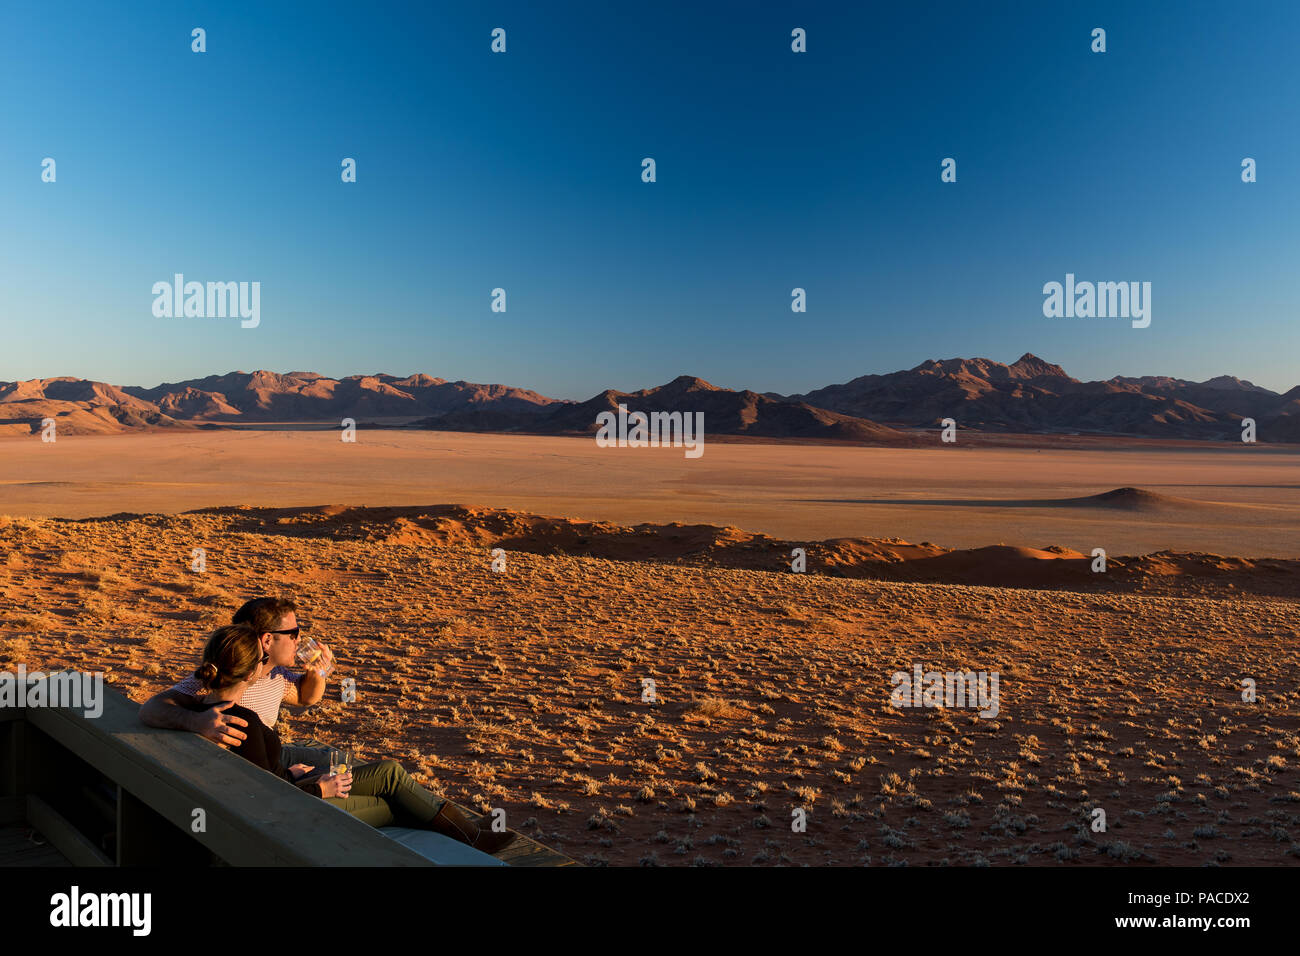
(292, 631)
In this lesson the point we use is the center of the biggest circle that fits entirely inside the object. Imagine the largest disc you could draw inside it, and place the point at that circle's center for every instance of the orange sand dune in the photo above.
(1120, 499)
(889, 559)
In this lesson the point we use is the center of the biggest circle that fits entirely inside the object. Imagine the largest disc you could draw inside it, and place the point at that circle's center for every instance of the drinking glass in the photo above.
(340, 761)
(309, 652)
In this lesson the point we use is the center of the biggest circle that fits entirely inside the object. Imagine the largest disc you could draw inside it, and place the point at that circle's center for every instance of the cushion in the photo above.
(440, 849)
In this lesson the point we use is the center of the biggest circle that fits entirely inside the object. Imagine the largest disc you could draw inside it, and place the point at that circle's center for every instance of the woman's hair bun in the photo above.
(206, 673)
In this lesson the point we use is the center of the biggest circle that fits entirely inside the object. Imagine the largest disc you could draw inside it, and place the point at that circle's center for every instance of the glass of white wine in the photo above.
(340, 761)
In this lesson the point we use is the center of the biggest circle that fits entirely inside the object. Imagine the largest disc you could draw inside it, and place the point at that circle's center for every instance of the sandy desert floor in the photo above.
(522, 689)
(961, 496)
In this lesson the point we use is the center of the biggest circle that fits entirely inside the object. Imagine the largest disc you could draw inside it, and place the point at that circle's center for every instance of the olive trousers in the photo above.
(383, 794)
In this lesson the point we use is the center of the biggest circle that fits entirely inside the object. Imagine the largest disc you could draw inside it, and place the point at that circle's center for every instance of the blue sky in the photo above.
(523, 171)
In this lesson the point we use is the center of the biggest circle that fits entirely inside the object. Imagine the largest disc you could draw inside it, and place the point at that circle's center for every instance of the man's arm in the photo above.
(308, 691)
(310, 687)
(167, 710)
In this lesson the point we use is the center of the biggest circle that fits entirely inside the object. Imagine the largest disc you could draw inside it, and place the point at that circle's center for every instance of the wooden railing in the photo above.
(110, 791)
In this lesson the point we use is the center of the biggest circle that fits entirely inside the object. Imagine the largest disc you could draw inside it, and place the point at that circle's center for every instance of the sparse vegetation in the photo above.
(529, 696)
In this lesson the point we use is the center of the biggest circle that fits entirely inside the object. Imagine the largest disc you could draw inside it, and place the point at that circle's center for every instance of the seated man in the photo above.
(276, 621)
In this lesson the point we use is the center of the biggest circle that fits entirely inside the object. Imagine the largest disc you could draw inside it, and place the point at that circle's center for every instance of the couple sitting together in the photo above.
(243, 677)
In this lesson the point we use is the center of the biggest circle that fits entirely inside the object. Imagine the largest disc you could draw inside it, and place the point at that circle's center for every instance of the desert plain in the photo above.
(523, 686)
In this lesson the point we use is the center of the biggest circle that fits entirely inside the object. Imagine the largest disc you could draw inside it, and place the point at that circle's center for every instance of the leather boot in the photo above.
(451, 822)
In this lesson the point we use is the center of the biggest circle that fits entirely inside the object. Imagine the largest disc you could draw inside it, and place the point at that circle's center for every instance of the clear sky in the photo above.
(522, 170)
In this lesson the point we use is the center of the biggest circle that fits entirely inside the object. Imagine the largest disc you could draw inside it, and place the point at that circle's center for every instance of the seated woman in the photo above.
(379, 793)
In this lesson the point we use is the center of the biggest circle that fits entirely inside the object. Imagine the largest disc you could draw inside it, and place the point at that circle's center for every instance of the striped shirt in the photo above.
(263, 697)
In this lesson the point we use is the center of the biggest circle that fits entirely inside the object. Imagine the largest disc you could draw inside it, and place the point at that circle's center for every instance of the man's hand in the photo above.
(170, 709)
(326, 660)
(336, 785)
(299, 770)
(221, 728)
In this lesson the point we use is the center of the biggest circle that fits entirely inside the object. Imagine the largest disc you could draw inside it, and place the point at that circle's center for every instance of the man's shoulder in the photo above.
(283, 673)
(189, 687)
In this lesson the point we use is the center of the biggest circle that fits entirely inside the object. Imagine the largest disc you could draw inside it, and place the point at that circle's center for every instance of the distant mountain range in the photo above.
(1034, 396)
(1029, 396)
